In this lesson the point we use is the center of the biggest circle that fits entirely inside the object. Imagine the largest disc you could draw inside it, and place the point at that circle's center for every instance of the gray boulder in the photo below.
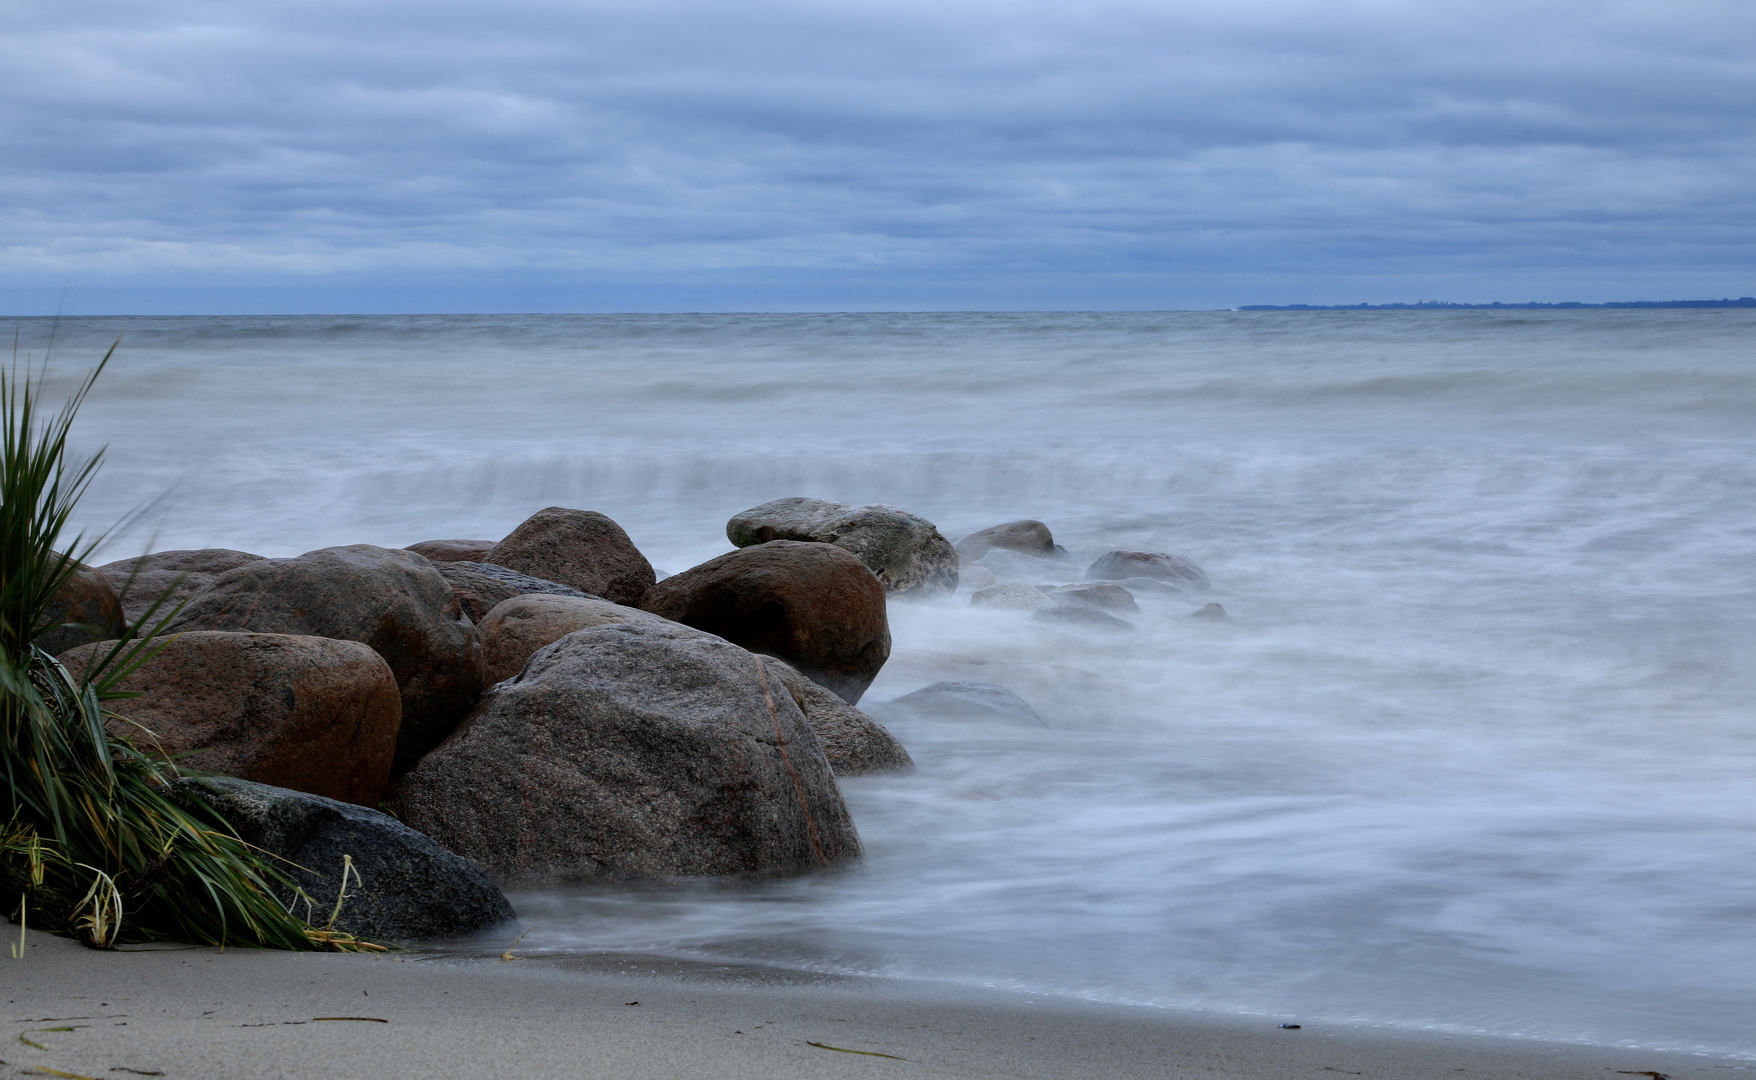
(1211, 613)
(854, 743)
(903, 549)
(967, 700)
(1027, 536)
(174, 576)
(409, 887)
(580, 548)
(1012, 596)
(973, 577)
(479, 586)
(1117, 565)
(1101, 595)
(1078, 614)
(642, 749)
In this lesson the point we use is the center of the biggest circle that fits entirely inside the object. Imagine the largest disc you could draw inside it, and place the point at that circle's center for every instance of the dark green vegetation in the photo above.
(92, 841)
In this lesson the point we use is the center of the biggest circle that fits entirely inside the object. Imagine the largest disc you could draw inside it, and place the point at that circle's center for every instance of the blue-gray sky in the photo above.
(539, 155)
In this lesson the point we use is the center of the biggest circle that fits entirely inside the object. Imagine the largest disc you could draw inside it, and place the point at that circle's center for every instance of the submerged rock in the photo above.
(1012, 596)
(967, 700)
(904, 550)
(1027, 537)
(1080, 614)
(409, 887)
(1101, 595)
(974, 577)
(579, 548)
(174, 576)
(638, 748)
(1147, 564)
(1211, 613)
(1017, 566)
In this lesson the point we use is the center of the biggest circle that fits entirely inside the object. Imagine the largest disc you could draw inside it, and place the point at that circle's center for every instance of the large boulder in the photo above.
(389, 599)
(444, 551)
(580, 548)
(520, 625)
(1027, 536)
(84, 609)
(408, 886)
(308, 713)
(479, 586)
(638, 748)
(854, 743)
(1118, 565)
(170, 576)
(904, 550)
(814, 605)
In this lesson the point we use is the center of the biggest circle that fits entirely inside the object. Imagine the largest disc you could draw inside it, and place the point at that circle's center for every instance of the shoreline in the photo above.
(181, 1011)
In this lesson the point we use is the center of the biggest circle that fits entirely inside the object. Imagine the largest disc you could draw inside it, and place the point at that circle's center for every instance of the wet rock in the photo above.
(854, 743)
(1078, 614)
(634, 748)
(1101, 595)
(1139, 585)
(973, 577)
(520, 625)
(1012, 596)
(308, 713)
(1117, 565)
(578, 548)
(173, 575)
(446, 551)
(903, 549)
(814, 605)
(1211, 613)
(480, 586)
(392, 600)
(1016, 566)
(1027, 536)
(85, 609)
(967, 700)
(409, 887)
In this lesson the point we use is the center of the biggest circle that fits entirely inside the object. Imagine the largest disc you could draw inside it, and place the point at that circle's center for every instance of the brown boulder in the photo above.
(519, 626)
(903, 549)
(392, 600)
(444, 551)
(479, 586)
(579, 548)
(1156, 565)
(640, 748)
(854, 743)
(813, 605)
(1098, 594)
(174, 576)
(84, 609)
(308, 713)
(1027, 536)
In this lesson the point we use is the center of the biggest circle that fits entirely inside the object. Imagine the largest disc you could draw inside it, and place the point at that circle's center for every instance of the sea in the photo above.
(1476, 753)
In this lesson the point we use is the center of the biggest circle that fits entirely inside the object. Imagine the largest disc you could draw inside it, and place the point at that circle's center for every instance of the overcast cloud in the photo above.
(576, 156)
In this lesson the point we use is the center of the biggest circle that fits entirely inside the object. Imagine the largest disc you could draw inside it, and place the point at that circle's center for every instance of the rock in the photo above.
(973, 577)
(173, 575)
(1014, 566)
(84, 609)
(519, 626)
(409, 887)
(1147, 564)
(1027, 536)
(967, 700)
(903, 549)
(579, 548)
(813, 605)
(392, 600)
(637, 748)
(308, 713)
(1084, 615)
(1138, 585)
(1100, 595)
(445, 551)
(854, 743)
(1012, 596)
(1211, 613)
(480, 586)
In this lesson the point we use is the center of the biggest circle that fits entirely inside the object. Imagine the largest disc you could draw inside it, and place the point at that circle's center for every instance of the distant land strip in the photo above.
(1446, 305)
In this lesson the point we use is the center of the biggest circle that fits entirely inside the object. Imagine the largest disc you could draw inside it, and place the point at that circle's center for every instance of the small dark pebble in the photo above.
(1290, 1027)
(631, 1003)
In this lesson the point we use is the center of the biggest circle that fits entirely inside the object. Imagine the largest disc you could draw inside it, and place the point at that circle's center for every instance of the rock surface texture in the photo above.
(634, 749)
(813, 605)
(409, 887)
(520, 625)
(85, 609)
(308, 713)
(480, 586)
(579, 548)
(389, 599)
(903, 549)
(854, 743)
(1027, 536)
(444, 551)
(173, 575)
(1117, 565)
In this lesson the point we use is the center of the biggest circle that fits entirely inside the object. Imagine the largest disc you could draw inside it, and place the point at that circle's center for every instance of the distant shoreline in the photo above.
(1446, 305)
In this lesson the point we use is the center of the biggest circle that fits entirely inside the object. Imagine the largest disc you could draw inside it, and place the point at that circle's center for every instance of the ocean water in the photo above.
(1478, 752)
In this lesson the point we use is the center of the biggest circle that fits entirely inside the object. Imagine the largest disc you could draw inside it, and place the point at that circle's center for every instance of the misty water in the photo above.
(1476, 753)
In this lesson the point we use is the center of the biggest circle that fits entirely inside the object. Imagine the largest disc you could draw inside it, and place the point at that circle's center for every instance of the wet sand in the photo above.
(199, 1013)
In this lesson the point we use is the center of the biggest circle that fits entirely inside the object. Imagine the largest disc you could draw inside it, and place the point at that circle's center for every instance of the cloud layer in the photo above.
(878, 155)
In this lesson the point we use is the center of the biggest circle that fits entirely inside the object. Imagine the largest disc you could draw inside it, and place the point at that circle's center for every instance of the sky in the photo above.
(164, 157)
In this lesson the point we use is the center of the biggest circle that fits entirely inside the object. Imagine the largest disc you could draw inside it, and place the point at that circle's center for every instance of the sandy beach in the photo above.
(199, 1013)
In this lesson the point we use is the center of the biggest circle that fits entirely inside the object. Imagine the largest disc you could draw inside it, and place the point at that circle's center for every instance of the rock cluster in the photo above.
(904, 550)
